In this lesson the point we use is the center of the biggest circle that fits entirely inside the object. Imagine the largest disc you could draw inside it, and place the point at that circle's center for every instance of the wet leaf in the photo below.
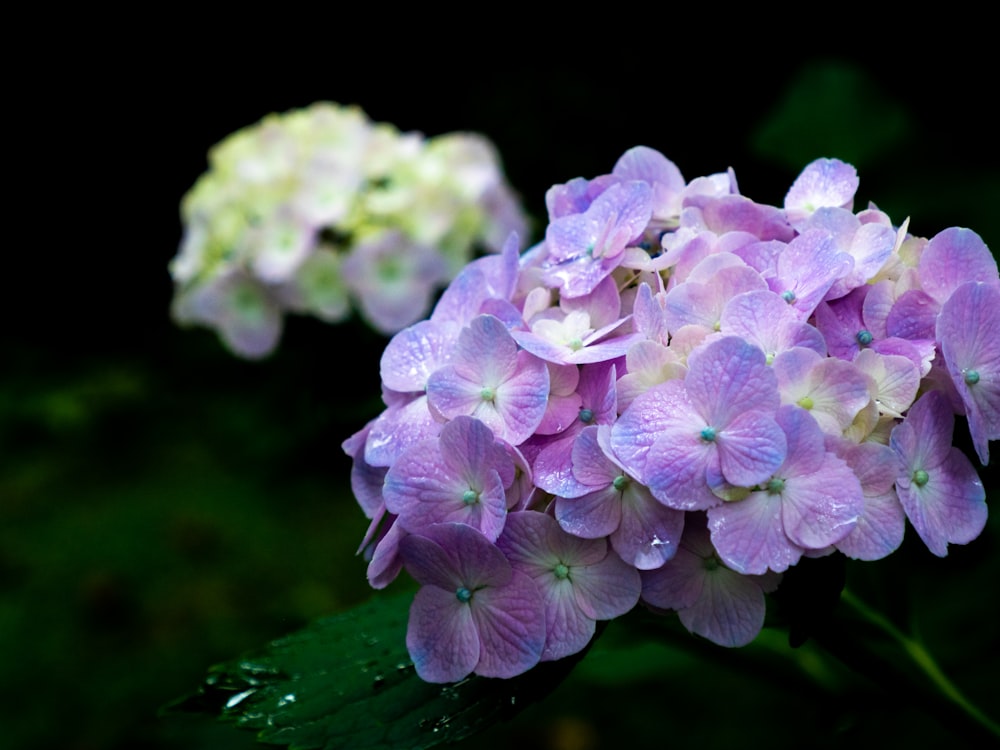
(347, 681)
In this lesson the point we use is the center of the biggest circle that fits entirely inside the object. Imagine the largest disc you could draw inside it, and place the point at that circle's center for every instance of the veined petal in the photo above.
(749, 536)
(751, 448)
(511, 623)
(441, 636)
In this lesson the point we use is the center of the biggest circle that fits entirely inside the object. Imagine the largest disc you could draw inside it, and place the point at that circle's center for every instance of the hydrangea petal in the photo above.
(441, 636)
(511, 627)
(969, 331)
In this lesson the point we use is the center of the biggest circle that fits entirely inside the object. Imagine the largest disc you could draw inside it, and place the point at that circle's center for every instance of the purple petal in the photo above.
(938, 487)
(821, 508)
(414, 353)
(727, 377)
(729, 612)
(824, 182)
(441, 636)
(638, 426)
(511, 623)
(969, 331)
(953, 257)
(606, 589)
(452, 555)
(950, 508)
(749, 535)
(751, 447)
(649, 532)
(397, 428)
(590, 516)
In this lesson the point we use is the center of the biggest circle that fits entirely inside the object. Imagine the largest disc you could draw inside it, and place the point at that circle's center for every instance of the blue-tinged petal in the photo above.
(397, 428)
(821, 507)
(749, 536)
(649, 533)
(950, 507)
(414, 353)
(751, 448)
(729, 612)
(441, 636)
(953, 257)
(968, 330)
(568, 628)
(606, 589)
(678, 467)
(511, 624)
(729, 376)
(636, 429)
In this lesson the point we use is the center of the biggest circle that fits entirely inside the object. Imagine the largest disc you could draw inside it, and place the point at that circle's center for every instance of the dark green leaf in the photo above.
(347, 682)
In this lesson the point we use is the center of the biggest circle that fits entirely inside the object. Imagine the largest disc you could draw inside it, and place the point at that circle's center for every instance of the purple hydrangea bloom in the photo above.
(580, 580)
(870, 245)
(579, 330)
(940, 491)
(830, 389)
(473, 613)
(701, 303)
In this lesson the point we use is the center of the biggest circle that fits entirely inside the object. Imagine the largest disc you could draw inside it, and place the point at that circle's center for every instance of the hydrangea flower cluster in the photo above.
(320, 211)
(675, 396)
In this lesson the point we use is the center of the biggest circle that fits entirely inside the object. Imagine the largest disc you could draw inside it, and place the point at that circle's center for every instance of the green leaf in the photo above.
(347, 681)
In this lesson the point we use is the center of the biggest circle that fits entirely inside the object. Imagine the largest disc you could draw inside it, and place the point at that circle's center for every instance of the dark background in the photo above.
(165, 506)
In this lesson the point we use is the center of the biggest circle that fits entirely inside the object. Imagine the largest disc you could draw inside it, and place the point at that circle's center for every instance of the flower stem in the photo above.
(924, 661)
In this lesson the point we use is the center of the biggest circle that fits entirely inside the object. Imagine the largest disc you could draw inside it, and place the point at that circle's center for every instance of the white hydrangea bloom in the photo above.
(288, 202)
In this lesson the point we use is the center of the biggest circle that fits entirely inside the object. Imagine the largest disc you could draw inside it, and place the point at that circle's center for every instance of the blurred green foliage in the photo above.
(165, 507)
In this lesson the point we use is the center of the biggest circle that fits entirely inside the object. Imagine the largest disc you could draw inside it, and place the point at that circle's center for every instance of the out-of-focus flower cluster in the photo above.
(674, 397)
(320, 211)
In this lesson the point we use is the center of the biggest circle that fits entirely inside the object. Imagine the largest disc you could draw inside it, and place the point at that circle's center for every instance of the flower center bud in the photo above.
(586, 416)
(971, 377)
(710, 563)
(620, 482)
(788, 295)
(920, 477)
(775, 485)
(805, 402)
(561, 571)
(864, 337)
(463, 594)
(487, 393)
(469, 497)
(708, 434)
